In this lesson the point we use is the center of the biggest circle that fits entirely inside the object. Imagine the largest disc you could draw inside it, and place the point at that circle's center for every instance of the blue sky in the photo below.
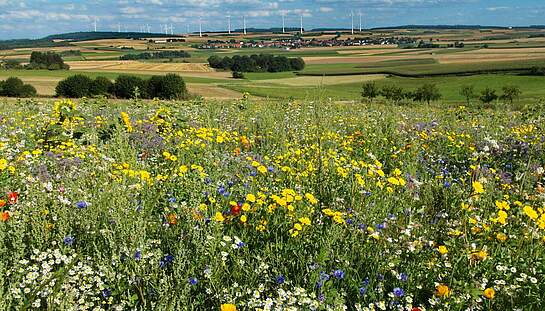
(37, 18)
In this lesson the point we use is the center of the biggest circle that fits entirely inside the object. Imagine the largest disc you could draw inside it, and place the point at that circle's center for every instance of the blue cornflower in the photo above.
(403, 277)
(398, 292)
(324, 276)
(138, 255)
(349, 221)
(280, 279)
(338, 274)
(380, 226)
(172, 200)
(168, 259)
(193, 281)
(106, 292)
(446, 184)
(363, 290)
(82, 204)
(241, 244)
(69, 240)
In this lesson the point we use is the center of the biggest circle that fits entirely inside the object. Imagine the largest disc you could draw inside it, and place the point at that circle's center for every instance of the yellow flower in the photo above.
(528, 210)
(442, 290)
(219, 217)
(502, 205)
(228, 307)
(250, 198)
(305, 221)
(489, 293)
(262, 169)
(243, 219)
(298, 227)
(311, 198)
(3, 164)
(442, 249)
(502, 237)
(478, 187)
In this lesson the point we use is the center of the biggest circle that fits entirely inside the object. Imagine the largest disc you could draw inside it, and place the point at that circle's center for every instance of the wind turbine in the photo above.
(118, 27)
(302, 24)
(229, 23)
(95, 24)
(352, 16)
(283, 23)
(200, 27)
(171, 29)
(360, 22)
(244, 24)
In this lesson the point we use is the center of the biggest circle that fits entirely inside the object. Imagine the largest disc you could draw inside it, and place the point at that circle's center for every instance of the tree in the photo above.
(393, 93)
(510, 93)
(427, 93)
(238, 75)
(468, 92)
(14, 87)
(126, 86)
(76, 86)
(488, 95)
(370, 90)
(171, 86)
(215, 61)
(101, 86)
(297, 64)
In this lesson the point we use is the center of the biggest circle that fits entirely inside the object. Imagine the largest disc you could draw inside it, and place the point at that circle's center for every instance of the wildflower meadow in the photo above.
(270, 205)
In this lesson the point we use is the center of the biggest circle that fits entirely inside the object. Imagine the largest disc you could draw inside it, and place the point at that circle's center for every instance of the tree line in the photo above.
(257, 63)
(429, 92)
(15, 87)
(156, 55)
(170, 86)
(38, 60)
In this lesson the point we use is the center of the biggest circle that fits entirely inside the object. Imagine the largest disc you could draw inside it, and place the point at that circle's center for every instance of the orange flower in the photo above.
(228, 307)
(172, 219)
(2, 203)
(5, 216)
(12, 197)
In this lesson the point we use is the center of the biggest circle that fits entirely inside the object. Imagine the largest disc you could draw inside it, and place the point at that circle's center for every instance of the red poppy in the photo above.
(5, 216)
(235, 210)
(416, 309)
(12, 197)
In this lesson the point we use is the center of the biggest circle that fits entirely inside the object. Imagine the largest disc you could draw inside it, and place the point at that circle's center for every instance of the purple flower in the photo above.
(398, 292)
(82, 204)
(106, 292)
(280, 279)
(363, 290)
(338, 274)
(403, 277)
(69, 240)
(168, 259)
(138, 255)
(193, 281)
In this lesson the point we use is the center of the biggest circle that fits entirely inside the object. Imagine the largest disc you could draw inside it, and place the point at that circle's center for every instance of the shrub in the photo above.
(171, 86)
(510, 93)
(101, 86)
(238, 75)
(468, 92)
(370, 90)
(488, 95)
(11, 64)
(14, 87)
(393, 93)
(129, 86)
(76, 86)
(426, 93)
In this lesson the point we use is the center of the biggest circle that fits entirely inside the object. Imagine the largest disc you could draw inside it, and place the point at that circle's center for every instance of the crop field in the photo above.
(490, 56)
(270, 205)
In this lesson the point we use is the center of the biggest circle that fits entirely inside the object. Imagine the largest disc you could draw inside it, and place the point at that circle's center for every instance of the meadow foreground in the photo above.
(246, 205)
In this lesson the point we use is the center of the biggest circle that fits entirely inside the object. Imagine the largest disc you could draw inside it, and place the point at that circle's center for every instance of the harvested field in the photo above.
(327, 80)
(212, 91)
(139, 66)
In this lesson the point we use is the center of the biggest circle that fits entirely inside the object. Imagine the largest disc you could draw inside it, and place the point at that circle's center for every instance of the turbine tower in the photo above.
(283, 23)
(352, 16)
(95, 24)
(244, 24)
(361, 28)
(200, 27)
(302, 24)
(118, 27)
(229, 23)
